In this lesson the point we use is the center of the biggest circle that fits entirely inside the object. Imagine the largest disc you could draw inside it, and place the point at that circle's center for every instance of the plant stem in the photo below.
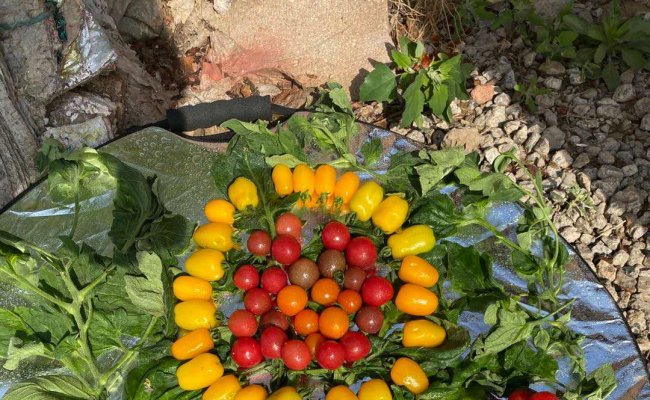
(83, 293)
(46, 296)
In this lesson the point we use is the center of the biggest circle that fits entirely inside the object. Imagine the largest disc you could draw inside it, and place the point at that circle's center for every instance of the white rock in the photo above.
(553, 83)
(502, 99)
(630, 170)
(491, 154)
(562, 159)
(556, 137)
(552, 68)
(645, 123)
(581, 160)
(624, 93)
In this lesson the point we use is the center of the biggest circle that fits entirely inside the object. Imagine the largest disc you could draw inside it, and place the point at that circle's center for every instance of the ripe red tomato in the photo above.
(356, 346)
(295, 355)
(288, 224)
(520, 394)
(330, 355)
(242, 323)
(361, 253)
(246, 352)
(271, 342)
(274, 279)
(354, 278)
(257, 301)
(369, 319)
(543, 396)
(285, 249)
(377, 291)
(274, 318)
(246, 277)
(335, 236)
(259, 243)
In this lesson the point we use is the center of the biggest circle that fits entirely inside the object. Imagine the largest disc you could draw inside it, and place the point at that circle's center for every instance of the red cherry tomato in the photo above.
(369, 319)
(285, 249)
(242, 323)
(356, 346)
(274, 279)
(295, 355)
(275, 318)
(288, 224)
(246, 352)
(543, 396)
(377, 291)
(271, 342)
(259, 243)
(257, 301)
(330, 355)
(520, 394)
(246, 277)
(361, 253)
(335, 236)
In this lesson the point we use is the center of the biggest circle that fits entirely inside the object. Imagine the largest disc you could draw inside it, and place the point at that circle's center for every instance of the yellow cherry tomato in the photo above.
(195, 314)
(423, 333)
(282, 180)
(252, 392)
(390, 214)
(346, 187)
(243, 193)
(325, 179)
(374, 389)
(192, 344)
(366, 200)
(224, 388)
(200, 372)
(286, 393)
(214, 235)
(303, 179)
(408, 373)
(191, 288)
(418, 271)
(341, 393)
(413, 240)
(205, 264)
(416, 300)
(220, 210)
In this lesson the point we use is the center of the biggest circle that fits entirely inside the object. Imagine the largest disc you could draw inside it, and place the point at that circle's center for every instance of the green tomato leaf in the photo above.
(156, 380)
(372, 151)
(287, 159)
(50, 387)
(379, 85)
(19, 351)
(146, 291)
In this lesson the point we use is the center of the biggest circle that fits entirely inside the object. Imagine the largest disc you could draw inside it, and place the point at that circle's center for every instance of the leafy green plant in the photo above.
(419, 81)
(528, 92)
(605, 47)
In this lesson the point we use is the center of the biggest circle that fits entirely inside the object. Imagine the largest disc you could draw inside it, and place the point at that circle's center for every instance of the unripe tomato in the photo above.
(375, 389)
(220, 210)
(356, 346)
(292, 299)
(361, 253)
(416, 300)
(350, 301)
(313, 341)
(369, 319)
(271, 342)
(335, 236)
(242, 323)
(214, 235)
(543, 396)
(330, 355)
(423, 333)
(259, 243)
(195, 314)
(257, 301)
(346, 187)
(191, 288)
(325, 291)
(285, 393)
(520, 394)
(275, 318)
(333, 323)
(246, 352)
(295, 355)
(306, 322)
(341, 393)
(418, 271)
(274, 279)
(200, 372)
(377, 291)
(288, 224)
(192, 344)
(408, 373)
(205, 264)
(282, 180)
(224, 388)
(243, 194)
(285, 249)
(246, 277)
(252, 392)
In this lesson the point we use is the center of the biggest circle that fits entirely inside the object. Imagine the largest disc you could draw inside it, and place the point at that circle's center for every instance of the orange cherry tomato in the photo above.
(313, 341)
(333, 323)
(292, 299)
(192, 344)
(306, 322)
(191, 288)
(325, 291)
(350, 301)
(346, 186)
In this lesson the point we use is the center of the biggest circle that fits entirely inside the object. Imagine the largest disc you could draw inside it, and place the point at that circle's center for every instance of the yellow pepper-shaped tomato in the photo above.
(252, 392)
(282, 180)
(325, 179)
(341, 393)
(346, 187)
(418, 271)
(243, 193)
(192, 344)
(423, 333)
(286, 393)
(374, 389)
(195, 314)
(214, 235)
(220, 210)
(413, 240)
(205, 264)
(224, 388)
(304, 183)
(408, 373)
(191, 288)
(200, 372)
(366, 200)
(390, 214)
(416, 300)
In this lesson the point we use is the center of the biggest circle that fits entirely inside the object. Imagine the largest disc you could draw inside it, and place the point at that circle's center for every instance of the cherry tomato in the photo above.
(242, 323)
(292, 299)
(354, 278)
(543, 396)
(246, 352)
(257, 301)
(335, 236)
(369, 319)
(246, 277)
(313, 341)
(274, 279)
(520, 394)
(295, 355)
(377, 291)
(330, 355)
(259, 243)
(288, 224)
(274, 318)
(306, 322)
(350, 301)
(361, 253)
(356, 346)
(285, 249)
(325, 291)
(271, 342)
(333, 323)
